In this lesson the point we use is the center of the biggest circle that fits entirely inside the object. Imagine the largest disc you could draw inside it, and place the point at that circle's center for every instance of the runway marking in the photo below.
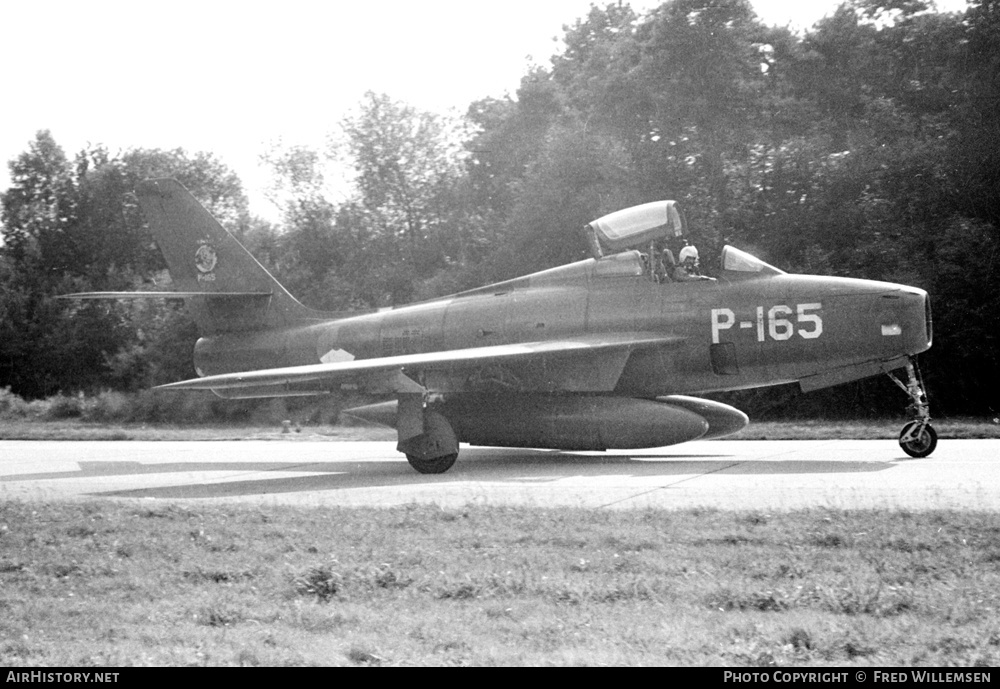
(669, 485)
(673, 484)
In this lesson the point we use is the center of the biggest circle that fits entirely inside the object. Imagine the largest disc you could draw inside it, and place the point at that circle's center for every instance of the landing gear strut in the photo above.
(918, 438)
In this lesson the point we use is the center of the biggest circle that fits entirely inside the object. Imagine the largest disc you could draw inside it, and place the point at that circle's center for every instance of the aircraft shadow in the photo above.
(491, 465)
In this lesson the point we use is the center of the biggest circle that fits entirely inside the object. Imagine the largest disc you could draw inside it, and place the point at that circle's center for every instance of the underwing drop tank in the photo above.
(574, 422)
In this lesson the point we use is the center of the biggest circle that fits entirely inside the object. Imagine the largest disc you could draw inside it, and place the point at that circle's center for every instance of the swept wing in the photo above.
(591, 363)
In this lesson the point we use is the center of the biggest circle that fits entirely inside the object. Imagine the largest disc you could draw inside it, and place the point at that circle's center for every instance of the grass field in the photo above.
(124, 583)
(110, 583)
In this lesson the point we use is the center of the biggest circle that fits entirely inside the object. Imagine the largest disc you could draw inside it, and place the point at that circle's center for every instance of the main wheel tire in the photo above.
(923, 444)
(437, 465)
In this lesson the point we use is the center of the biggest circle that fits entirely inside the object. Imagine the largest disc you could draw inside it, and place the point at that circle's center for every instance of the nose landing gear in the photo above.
(918, 438)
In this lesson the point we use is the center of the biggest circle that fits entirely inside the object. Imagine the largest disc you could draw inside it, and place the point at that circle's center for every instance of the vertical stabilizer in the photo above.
(235, 292)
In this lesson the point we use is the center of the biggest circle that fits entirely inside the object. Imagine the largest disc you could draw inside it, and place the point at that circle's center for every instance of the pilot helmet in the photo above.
(689, 252)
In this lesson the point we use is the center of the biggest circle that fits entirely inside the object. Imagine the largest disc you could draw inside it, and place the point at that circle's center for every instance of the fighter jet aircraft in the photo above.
(599, 354)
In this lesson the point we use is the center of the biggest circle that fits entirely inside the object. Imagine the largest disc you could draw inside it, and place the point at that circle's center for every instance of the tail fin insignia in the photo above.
(205, 260)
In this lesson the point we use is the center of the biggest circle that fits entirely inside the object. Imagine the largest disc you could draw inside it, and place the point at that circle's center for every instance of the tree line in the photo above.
(864, 147)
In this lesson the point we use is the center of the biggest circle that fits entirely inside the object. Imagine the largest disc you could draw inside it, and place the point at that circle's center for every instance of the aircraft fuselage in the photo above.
(597, 354)
(739, 331)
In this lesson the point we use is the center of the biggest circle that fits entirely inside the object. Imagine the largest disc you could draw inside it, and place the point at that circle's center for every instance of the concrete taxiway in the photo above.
(744, 475)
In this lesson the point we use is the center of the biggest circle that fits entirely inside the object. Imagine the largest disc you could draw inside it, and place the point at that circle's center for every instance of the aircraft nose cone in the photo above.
(909, 318)
(928, 322)
(922, 308)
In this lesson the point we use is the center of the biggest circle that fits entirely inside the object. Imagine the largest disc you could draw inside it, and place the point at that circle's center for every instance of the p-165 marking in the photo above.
(773, 323)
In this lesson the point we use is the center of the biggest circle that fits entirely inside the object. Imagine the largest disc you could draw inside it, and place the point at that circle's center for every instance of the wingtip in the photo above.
(181, 385)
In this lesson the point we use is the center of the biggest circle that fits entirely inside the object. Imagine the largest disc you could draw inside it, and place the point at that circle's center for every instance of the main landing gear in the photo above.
(918, 438)
(435, 450)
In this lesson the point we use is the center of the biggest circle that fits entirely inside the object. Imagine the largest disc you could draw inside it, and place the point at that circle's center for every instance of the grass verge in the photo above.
(25, 429)
(74, 429)
(108, 583)
(159, 415)
(821, 429)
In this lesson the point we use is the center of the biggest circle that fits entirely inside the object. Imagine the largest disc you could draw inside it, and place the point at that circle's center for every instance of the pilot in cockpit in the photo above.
(687, 268)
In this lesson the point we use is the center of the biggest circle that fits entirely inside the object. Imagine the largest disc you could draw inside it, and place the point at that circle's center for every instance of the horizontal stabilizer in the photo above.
(230, 291)
(159, 295)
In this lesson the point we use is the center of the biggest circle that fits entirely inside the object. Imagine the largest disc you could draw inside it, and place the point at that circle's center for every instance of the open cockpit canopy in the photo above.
(635, 227)
(649, 228)
(736, 261)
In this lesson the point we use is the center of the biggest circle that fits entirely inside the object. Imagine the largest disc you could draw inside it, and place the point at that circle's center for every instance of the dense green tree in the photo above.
(862, 147)
(509, 134)
(576, 178)
(74, 226)
(405, 161)
(46, 250)
(404, 222)
(596, 72)
(38, 211)
(702, 66)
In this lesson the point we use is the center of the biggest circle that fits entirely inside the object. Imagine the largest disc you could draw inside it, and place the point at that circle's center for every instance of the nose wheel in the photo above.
(918, 438)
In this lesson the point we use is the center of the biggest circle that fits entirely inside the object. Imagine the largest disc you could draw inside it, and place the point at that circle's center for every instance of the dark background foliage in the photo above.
(867, 147)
